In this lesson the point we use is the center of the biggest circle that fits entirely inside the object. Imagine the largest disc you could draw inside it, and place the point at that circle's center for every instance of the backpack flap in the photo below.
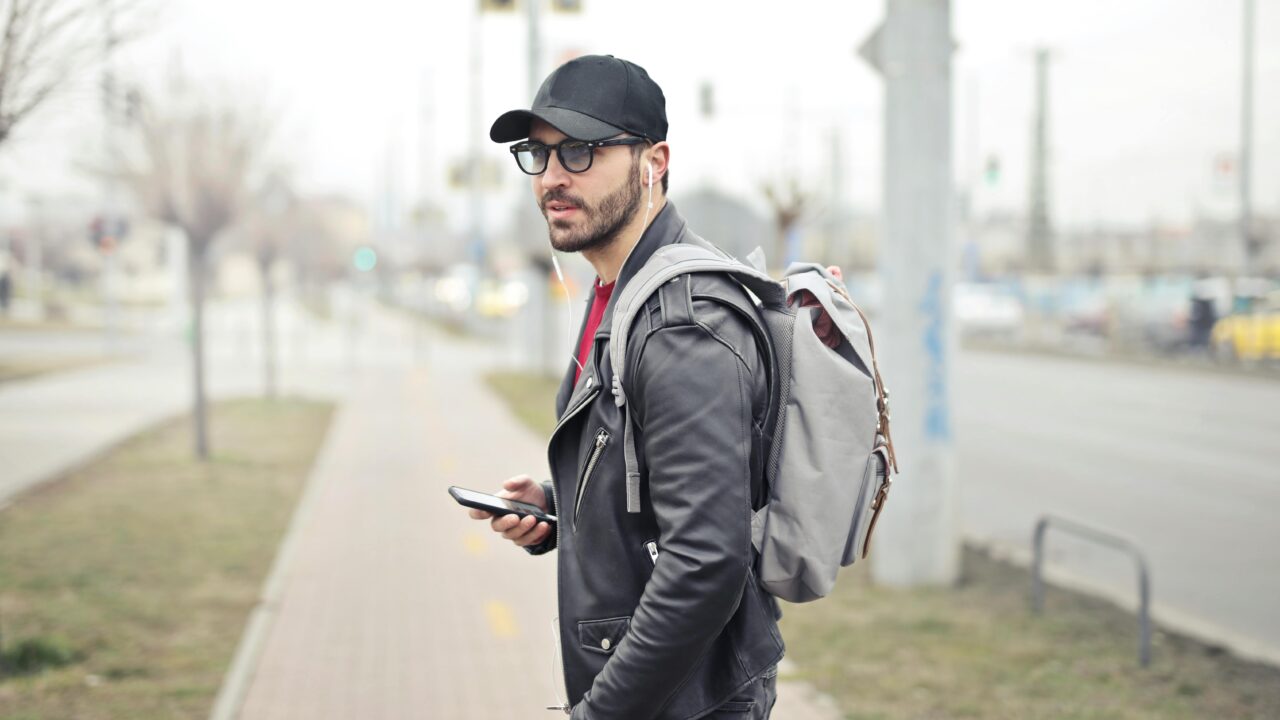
(836, 303)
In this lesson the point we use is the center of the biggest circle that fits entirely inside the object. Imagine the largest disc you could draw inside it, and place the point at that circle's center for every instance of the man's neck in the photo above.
(608, 260)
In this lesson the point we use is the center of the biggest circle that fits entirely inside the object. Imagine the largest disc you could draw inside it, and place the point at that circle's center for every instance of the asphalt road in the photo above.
(1185, 464)
(56, 421)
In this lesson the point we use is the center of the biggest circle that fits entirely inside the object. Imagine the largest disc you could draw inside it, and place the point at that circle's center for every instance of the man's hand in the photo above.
(521, 531)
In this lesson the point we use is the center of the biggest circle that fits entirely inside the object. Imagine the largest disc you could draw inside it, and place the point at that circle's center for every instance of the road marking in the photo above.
(502, 622)
(475, 543)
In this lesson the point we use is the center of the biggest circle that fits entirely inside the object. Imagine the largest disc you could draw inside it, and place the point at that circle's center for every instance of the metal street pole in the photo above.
(533, 10)
(1040, 256)
(1247, 240)
(474, 173)
(917, 542)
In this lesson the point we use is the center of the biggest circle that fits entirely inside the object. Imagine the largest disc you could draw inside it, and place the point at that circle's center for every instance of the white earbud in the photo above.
(650, 193)
(650, 174)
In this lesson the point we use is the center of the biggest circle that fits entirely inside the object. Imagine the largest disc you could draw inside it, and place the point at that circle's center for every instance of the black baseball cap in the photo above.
(592, 97)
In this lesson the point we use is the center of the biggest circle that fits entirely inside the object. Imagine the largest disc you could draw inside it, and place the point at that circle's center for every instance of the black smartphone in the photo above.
(496, 505)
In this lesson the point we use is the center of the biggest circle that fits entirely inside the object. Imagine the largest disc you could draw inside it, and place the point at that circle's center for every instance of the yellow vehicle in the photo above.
(1250, 335)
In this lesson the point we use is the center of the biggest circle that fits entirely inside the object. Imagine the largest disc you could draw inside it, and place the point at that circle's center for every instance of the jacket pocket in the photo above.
(593, 460)
(602, 636)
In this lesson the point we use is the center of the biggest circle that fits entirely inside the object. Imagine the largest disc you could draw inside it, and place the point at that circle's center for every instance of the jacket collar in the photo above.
(667, 227)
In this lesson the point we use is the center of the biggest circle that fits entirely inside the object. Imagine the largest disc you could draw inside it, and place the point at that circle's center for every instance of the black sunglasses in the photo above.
(575, 155)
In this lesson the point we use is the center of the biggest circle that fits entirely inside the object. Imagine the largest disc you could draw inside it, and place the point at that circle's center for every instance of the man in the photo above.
(660, 612)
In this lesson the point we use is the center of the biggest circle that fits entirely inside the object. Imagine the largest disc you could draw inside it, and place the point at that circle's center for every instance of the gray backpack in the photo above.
(829, 460)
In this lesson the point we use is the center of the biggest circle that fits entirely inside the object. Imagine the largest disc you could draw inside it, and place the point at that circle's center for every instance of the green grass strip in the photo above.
(125, 586)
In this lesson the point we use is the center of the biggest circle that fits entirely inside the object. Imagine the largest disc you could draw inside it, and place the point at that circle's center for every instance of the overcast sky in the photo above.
(1145, 94)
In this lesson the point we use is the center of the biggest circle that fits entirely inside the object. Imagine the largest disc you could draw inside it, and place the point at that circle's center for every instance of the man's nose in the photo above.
(555, 175)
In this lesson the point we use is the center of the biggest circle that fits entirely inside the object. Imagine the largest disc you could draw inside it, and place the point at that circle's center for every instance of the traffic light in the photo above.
(707, 100)
(365, 259)
(992, 172)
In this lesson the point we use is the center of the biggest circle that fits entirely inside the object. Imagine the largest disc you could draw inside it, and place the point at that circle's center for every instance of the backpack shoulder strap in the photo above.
(667, 263)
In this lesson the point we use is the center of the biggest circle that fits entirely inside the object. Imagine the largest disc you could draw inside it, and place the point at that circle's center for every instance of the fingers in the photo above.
(521, 531)
(539, 534)
(516, 486)
(479, 514)
(506, 524)
(516, 483)
(524, 489)
(835, 270)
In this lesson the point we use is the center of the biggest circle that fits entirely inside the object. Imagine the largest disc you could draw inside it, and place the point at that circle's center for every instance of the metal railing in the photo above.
(1107, 540)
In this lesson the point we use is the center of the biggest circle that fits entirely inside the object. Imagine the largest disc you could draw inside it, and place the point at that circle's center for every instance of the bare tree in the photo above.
(272, 229)
(787, 211)
(197, 159)
(45, 44)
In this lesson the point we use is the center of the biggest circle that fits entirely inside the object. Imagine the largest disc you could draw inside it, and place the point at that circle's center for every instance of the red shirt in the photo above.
(603, 293)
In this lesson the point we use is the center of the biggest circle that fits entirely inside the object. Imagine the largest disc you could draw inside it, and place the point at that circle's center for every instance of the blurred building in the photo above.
(330, 230)
(728, 222)
(995, 247)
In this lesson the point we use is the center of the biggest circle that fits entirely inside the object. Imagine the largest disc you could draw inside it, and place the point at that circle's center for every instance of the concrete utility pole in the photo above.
(474, 173)
(534, 47)
(1249, 244)
(917, 541)
(549, 355)
(1040, 257)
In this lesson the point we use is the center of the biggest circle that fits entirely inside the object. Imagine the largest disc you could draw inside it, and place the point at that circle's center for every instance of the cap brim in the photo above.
(514, 125)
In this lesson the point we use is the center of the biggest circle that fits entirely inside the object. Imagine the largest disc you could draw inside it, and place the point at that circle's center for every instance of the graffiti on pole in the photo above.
(937, 415)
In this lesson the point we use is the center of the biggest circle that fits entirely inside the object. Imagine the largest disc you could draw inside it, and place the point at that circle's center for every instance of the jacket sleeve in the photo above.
(692, 397)
(549, 544)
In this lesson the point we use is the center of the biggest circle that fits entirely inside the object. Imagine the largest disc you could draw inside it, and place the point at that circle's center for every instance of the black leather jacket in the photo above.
(660, 612)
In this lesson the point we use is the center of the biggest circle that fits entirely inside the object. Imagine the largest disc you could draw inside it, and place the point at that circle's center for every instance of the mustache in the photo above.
(560, 195)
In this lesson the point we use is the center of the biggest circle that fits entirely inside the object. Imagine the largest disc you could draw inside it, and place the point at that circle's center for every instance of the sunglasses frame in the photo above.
(591, 145)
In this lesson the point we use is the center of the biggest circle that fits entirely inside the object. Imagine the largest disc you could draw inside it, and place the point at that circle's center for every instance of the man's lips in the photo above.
(560, 209)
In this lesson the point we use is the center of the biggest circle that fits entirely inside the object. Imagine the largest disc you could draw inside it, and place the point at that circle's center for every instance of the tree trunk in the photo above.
(199, 411)
(268, 330)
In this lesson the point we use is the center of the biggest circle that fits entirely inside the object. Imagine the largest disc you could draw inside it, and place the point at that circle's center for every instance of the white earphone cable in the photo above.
(568, 305)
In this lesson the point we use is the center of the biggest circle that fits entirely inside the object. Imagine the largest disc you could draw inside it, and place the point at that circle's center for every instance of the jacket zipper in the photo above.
(652, 547)
(602, 439)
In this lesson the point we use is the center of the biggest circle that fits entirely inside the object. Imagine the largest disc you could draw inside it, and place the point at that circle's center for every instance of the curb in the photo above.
(235, 684)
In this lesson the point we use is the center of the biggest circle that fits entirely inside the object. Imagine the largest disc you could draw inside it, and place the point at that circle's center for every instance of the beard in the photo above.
(600, 222)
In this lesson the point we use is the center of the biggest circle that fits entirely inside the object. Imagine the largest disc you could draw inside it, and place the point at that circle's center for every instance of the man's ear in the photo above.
(659, 157)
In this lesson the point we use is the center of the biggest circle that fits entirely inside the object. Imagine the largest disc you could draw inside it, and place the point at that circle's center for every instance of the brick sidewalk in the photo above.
(391, 603)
